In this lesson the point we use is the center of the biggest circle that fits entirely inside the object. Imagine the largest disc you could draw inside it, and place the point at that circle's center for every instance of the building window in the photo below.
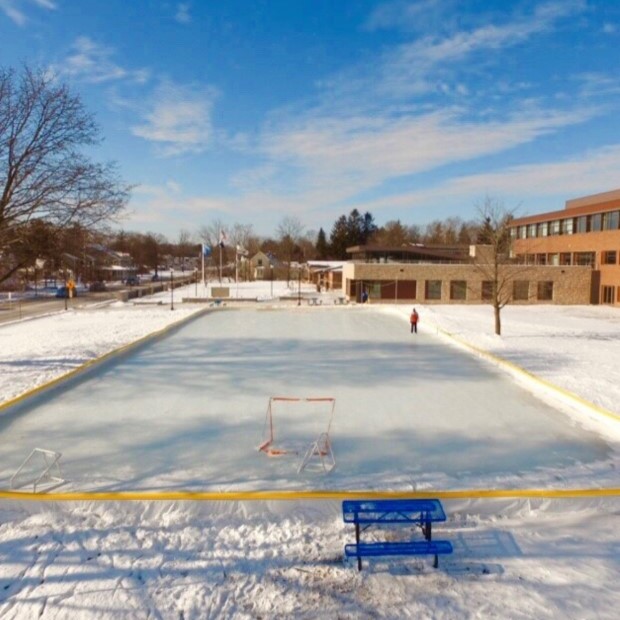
(522, 232)
(458, 289)
(531, 231)
(554, 227)
(582, 224)
(545, 291)
(553, 259)
(432, 289)
(565, 258)
(487, 290)
(609, 258)
(520, 290)
(596, 222)
(608, 294)
(567, 226)
(541, 259)
(374, 290)
(584, 258)
(611, 220)
(543, 229)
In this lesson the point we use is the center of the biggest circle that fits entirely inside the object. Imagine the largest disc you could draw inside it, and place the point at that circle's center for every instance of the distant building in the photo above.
(327, 275)
(448, 274)
(586, 232)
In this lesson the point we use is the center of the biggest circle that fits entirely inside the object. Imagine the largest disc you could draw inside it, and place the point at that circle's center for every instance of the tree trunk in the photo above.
(498, 322)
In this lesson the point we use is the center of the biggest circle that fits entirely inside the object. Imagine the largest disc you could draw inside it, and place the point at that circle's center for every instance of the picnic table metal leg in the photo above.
(357, 542)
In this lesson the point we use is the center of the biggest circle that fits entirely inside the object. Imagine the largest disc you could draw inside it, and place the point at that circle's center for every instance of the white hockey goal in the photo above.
(291, 422)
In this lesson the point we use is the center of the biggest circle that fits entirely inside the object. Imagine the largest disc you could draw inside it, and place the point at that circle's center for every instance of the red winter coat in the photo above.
(414, 318)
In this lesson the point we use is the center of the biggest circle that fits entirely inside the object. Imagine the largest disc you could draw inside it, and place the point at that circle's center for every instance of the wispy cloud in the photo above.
(178, 119)
(412, 68)
(93, 63)
(589, 172)
(421, 16)
(182, 15)
(373, 128)
(16, 9)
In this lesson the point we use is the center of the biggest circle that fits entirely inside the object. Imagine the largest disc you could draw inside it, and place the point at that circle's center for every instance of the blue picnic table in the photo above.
(393, 512)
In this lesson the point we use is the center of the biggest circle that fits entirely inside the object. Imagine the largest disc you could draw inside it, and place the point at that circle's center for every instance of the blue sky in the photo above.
(252, 111)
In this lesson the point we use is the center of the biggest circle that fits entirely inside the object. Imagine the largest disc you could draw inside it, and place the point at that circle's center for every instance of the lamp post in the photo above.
(196, 279)
(298, 286)
(66, 295)
(171, 290)
(271, 270)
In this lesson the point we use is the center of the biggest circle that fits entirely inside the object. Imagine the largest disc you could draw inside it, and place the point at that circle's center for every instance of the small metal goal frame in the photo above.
(268, 446)
(50, 475)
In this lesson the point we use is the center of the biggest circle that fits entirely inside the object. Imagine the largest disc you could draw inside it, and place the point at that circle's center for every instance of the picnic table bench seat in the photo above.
(408, 547)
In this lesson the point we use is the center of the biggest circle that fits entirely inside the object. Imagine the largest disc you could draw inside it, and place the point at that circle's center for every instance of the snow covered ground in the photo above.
(527, 558)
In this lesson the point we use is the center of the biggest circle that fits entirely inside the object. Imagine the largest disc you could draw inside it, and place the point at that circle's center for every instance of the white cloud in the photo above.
(421, 16)
(91, 62)
(15, 9)
(412, 68)
(591, 172)
(178, 119)
(363, 152)
(182, 15)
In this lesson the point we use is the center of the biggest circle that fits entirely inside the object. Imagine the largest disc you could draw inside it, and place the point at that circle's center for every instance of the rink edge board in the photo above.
(517, 370)
(291, 495)
(84, 369)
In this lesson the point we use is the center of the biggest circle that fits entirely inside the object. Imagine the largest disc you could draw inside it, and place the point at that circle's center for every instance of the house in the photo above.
(262, 266)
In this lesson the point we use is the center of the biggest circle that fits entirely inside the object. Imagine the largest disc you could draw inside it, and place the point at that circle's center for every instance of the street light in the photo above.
(196, 279)
(271, 269)
(299, 286)
(66, 295)
(171, 290)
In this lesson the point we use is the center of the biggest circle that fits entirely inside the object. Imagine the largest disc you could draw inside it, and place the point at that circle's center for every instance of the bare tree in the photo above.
(492, 259)
(289, 232)
(43, 175)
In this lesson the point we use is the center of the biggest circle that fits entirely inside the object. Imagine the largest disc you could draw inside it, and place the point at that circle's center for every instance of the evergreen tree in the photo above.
(339, 239)
(322, 248)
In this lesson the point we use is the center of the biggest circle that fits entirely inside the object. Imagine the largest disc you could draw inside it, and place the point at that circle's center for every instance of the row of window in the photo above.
(458, 290)
(596, 222)
(608, 257)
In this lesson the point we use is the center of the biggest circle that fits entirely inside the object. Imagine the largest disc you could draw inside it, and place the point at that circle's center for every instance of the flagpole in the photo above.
(220, 263)
(203, 263)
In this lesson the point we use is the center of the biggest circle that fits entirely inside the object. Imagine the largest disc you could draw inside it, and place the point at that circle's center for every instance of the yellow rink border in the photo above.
(99, 360)
(518, 370)
(130, 496)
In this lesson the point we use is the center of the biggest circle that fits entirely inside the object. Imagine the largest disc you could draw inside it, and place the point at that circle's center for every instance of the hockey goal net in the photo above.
(291, 422)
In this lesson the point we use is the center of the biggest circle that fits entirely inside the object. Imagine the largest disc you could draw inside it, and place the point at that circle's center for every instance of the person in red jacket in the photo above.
(414, 318)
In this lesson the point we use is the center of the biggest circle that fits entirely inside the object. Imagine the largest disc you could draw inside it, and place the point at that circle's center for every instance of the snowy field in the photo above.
(186, 411)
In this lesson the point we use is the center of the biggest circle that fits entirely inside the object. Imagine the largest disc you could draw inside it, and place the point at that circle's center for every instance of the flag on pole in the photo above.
(206, 250)
(223, 238)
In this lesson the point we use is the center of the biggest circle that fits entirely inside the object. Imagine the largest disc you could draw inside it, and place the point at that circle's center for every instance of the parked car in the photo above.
(132, 281)
(63, 291)
(97, 287)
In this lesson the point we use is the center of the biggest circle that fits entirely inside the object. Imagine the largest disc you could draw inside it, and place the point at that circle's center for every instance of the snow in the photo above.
(425, 411)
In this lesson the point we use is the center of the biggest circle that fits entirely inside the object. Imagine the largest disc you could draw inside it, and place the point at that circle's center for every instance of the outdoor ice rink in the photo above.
(187, 411)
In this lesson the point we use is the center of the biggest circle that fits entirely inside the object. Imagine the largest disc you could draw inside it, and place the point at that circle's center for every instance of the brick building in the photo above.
(424, 274)
(586, 232)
